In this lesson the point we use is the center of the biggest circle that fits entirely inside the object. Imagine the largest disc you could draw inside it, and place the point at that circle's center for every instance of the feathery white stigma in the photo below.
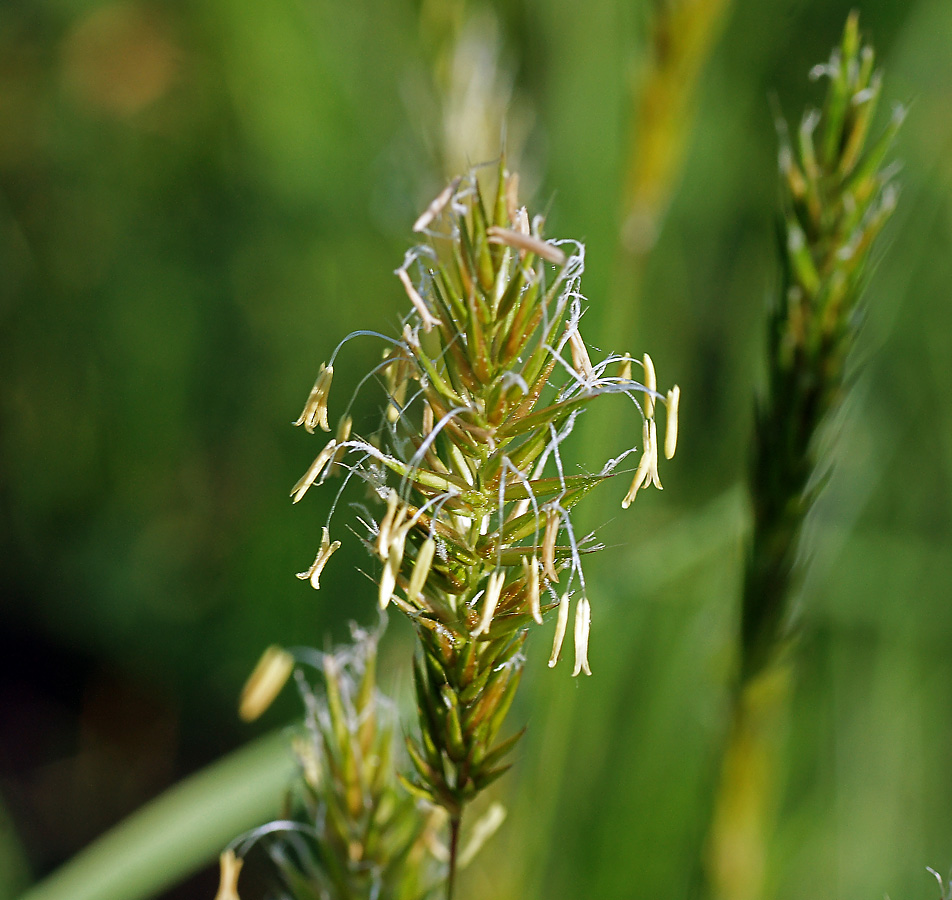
(429, 320)
(436, 206)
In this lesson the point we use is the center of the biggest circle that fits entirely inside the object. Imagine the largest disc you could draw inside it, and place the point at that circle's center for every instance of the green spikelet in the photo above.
(836, 197)
(352, 832)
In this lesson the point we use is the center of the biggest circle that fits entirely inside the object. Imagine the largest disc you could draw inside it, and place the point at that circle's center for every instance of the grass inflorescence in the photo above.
(352, 831)
(836, 195)
(473, 529)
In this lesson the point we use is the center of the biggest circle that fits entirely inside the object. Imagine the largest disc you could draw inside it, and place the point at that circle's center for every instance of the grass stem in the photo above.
(455, 823)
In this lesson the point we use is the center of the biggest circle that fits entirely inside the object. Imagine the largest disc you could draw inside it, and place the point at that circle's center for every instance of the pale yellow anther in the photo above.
(531, 567)
(522, 221)
(396, 379)
(520, 508)
(313, 574)
(388, 579)
(552, 522)
(314, 471)
(653, 435)
(624, 370)
(580, 358)
(542, 249)
(490, 601)
(230, 868)
(460, 464)
(398, 538)
(560, 626)
(643, 472)
(651, 382)
(427, 420)
(428, 319)
(512, 196)
(396, 525)
(315, 410)
(383, 532)
(421, 569)
(583, 618)
(671, 423)
(308, 759)
(343, 433)
(343, 429)
(265, 682)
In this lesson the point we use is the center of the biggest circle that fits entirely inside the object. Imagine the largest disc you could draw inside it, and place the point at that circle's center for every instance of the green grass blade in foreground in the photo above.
(179, 831)
(14, 869)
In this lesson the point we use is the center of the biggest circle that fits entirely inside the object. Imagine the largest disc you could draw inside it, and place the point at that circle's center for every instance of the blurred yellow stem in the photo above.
(682, 35)
(745, 800)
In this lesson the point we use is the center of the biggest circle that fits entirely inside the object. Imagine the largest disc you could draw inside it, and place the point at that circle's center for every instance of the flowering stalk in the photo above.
(474, 537)
(836, 197)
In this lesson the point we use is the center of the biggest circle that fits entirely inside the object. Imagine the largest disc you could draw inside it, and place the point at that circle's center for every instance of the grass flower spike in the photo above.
(474, 529)
(836, 196)
(351, 831)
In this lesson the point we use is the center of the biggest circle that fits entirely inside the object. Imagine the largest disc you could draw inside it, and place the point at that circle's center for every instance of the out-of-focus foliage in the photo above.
(197, 201)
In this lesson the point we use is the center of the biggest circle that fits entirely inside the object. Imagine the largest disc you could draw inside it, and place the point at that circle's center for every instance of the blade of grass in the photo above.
(180, 831)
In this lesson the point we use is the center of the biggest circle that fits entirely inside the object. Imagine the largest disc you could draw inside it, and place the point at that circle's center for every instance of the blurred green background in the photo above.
(199, 200)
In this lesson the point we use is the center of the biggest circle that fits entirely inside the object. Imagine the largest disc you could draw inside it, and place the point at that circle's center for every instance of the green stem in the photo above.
(178, 832)
(454, 850)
